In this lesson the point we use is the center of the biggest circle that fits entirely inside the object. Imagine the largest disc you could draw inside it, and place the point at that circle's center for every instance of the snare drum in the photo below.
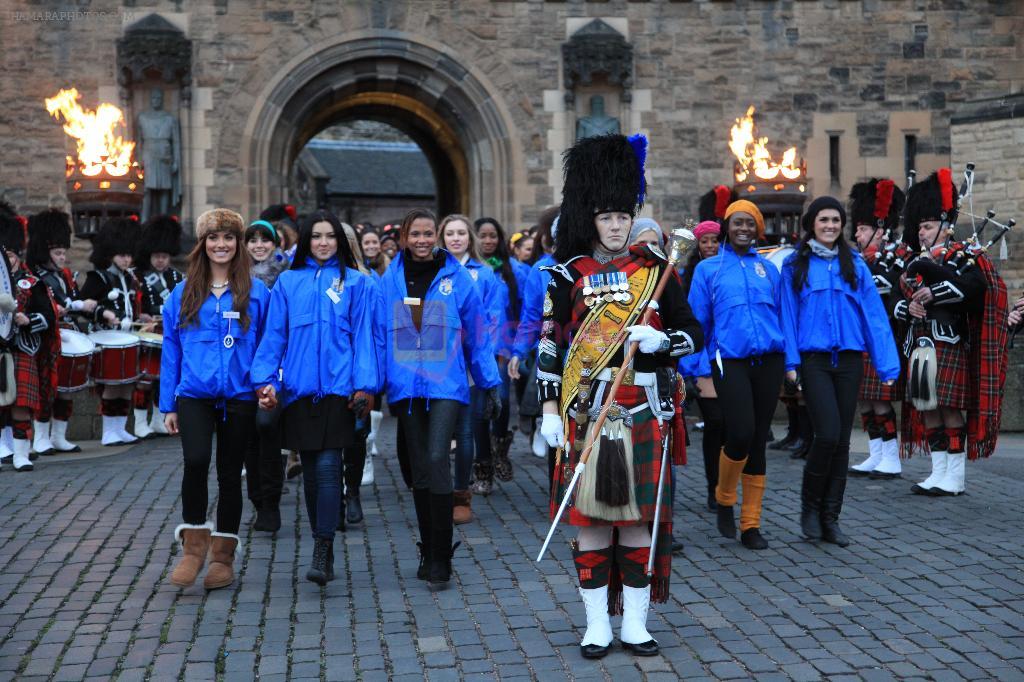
(116, 360)
(76, 351)
(150, 345)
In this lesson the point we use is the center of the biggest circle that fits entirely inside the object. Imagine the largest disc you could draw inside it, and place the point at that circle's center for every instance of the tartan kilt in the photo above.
(952, 379)
(646, 467)
(35, 378)
(871, 388)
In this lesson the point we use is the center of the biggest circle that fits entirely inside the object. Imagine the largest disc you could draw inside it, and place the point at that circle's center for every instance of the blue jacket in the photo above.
(431, 362)
(828, 315)
(533, 307)
(494, 297)
(195, 363)
(521, 271)
(324, 344)
(738, 302)
(695, 365)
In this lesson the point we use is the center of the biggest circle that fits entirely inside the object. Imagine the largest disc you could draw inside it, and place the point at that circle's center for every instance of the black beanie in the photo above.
(819, 205)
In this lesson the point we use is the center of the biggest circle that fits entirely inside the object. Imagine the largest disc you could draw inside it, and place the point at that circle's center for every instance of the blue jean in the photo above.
(321, 478)
(464, 437)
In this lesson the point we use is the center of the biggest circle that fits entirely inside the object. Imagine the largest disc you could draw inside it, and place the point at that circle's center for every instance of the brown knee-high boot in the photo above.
(750, 512)
(729, 471)
(222, 556)
(195, 543)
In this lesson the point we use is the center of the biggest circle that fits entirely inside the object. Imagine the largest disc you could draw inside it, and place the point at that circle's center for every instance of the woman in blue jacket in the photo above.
(736, 296)
(436, 329)
(698, 368)
(212, 327)
(494, 439)
(320, 334)
(832, 314)
(456, 236)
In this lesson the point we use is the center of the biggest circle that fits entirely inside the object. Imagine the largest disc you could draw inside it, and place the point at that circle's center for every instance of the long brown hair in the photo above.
(198, 276)
(473, 250)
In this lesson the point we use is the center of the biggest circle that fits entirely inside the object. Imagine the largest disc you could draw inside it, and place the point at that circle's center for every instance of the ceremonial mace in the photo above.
(682, 241)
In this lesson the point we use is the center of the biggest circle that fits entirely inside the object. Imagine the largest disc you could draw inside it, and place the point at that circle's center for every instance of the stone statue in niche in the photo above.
(597, 123)
(159, 148)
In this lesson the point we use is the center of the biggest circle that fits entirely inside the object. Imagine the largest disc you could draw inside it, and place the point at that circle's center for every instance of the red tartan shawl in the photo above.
(989, 335)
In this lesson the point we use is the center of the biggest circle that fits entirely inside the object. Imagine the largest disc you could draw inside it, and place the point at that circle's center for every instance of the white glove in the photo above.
(649, 338)
(551, 429)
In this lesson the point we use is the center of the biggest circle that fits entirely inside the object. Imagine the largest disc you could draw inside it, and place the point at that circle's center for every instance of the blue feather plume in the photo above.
(639, 144)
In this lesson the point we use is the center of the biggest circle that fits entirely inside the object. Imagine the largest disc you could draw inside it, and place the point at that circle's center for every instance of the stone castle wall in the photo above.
(812, 68)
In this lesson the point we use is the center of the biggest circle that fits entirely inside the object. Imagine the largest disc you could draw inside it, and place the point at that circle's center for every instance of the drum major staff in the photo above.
(212, 327)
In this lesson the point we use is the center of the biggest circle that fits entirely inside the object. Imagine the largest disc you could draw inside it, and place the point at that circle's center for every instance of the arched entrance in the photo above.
(391, 77)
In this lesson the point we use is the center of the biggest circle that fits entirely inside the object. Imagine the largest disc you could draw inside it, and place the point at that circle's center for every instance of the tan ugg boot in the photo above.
(222, 556)
(195, 543)
(462, 511)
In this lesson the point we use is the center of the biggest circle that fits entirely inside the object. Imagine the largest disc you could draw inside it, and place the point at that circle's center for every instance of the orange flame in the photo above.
(753, 155)
(98, 134)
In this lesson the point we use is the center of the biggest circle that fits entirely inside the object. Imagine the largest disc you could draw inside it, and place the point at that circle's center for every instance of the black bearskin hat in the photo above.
(285, 212)
(12, 229)
(601, 174)
(877, 203)
(159, 234)
(50, 229)
(116, 236)
(934, 198)
(713, 204)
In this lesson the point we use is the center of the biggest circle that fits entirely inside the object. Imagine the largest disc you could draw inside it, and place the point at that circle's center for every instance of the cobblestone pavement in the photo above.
(929, 589)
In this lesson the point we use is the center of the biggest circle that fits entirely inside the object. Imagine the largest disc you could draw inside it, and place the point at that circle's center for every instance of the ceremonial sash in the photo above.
(597, 338)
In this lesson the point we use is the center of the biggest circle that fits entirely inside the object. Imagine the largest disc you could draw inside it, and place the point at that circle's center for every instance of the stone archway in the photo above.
(390, 76)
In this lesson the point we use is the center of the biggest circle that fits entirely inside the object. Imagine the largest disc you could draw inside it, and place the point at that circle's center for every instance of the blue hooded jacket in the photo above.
(737, 300)
(494, 297)
(533, 307)
(196, 363)
(320, 332)
(431, 362)
(828, 315)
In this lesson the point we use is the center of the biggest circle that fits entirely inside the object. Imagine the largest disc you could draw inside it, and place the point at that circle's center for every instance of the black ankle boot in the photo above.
(726, 522)
(268, 518)
(712, 502)
(752, 539)
(831, 505)
(319, 572)
(421, 498)
(441, 530)
(810, 504)
(354, 511)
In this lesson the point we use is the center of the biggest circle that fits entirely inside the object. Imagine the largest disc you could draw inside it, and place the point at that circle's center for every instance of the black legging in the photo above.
(831, 395)
(712, 438)
(750, 387)
(264, 470)
(233, 421)
(428, 436)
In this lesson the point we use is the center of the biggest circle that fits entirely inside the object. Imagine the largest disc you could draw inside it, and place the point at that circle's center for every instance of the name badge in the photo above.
(333, 295)
(232, 315)
(410, 300)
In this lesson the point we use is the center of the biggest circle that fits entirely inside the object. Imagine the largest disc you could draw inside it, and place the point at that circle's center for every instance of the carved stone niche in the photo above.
(155, 49)
(597, 51)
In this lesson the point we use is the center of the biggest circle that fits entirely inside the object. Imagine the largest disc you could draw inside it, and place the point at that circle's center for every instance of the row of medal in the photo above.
(606, 287)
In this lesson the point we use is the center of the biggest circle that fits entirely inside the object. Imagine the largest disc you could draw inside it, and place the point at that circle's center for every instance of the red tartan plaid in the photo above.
(871, 388)
(35, 379)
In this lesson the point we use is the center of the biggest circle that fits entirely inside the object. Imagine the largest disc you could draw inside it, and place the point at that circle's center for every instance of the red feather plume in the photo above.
(946, 190)
(722, 196)
(883, 198)
(290, 210)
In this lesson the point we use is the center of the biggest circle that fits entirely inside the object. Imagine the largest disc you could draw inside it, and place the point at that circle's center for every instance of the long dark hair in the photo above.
(303, 248)
(543, 241)
(198, 276)
(691, 265)
(502, 253)
(801, 261)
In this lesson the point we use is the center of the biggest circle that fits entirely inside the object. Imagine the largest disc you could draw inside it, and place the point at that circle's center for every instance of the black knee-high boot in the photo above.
(421, 498)
(442, 549)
